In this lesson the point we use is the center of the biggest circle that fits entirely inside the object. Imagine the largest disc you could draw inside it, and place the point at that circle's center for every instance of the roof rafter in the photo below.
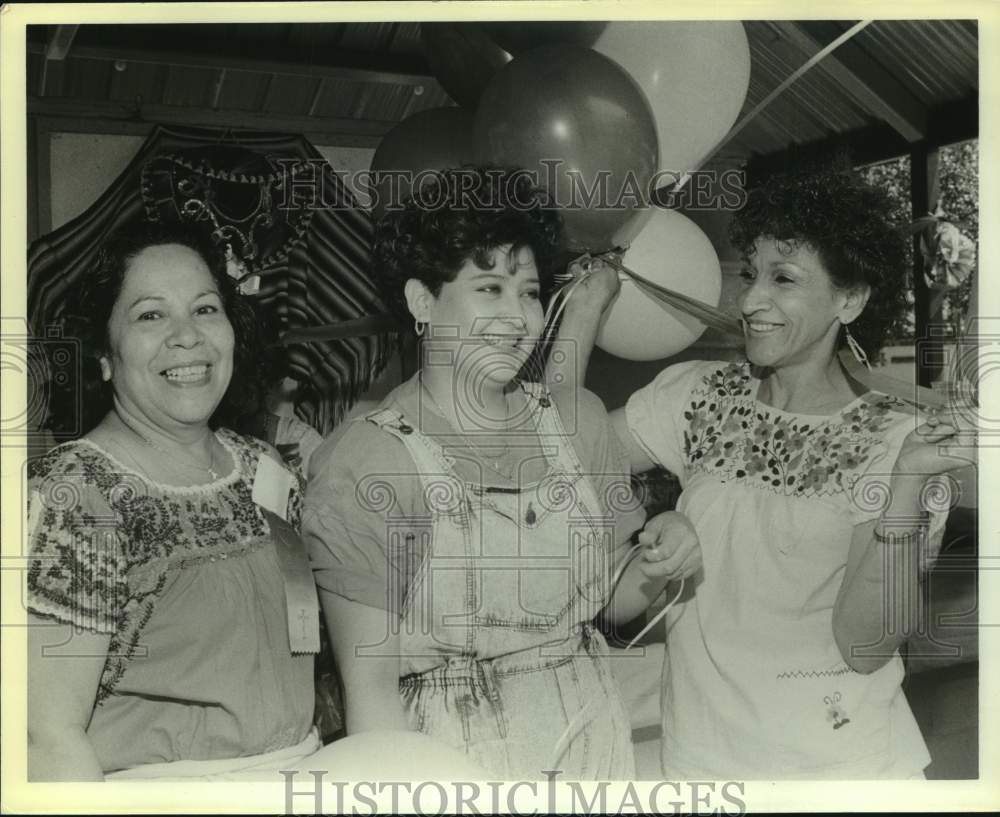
(59, 42)
(402, 71)
(862, 78)
(346, 132)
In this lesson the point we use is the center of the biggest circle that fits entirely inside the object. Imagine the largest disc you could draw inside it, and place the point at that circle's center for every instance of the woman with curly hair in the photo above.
(806, 491)
(465, 534)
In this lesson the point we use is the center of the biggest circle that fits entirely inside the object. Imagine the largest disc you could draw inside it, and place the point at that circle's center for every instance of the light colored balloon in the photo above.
(671, 251)
(393, 755)
(695, 76)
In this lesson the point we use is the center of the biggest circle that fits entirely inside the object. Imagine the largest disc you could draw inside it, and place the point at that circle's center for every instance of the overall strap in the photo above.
(426, 453)
(549, 425)
(563, 455)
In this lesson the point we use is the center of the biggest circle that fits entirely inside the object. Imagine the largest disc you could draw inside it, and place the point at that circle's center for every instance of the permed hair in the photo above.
(845, 221)
(462, 214)
(100, 288)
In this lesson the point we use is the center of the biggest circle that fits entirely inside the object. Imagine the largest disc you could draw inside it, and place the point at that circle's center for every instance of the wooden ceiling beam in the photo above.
(338, 131)
(317, 96)
(55, 48)
(947, 124)
(862, 78)
(390, 69)
(217, 83)
(60, 41)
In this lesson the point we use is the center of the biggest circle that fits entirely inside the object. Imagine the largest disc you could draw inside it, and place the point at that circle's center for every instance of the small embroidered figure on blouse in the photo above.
(834, 712)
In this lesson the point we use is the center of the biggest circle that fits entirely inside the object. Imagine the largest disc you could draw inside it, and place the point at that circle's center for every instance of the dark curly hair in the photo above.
(844, 220)
(100, 288)
(461, 214)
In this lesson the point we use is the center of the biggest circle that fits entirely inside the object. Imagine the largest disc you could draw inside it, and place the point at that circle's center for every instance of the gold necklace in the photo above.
(489, 461)
(210, 470)
(530, 517)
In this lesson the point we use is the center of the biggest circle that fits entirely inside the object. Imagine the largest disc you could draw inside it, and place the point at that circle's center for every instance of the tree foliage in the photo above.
(958, 179)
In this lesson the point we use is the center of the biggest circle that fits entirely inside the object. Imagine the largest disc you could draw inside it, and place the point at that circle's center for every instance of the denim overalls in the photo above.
(498, 656)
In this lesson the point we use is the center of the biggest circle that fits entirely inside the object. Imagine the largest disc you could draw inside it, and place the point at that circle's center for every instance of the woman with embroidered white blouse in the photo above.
(807, 492)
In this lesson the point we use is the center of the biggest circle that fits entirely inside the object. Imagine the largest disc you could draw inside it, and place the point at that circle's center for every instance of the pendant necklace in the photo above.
(210, 470)
(530, 517)
(491, 462)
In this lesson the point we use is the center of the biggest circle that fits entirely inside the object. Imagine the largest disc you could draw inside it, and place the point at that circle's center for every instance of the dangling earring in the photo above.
(418, 327)
(856, 350)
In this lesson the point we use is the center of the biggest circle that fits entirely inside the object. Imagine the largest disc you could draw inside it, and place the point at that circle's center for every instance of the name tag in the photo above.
(272, 485)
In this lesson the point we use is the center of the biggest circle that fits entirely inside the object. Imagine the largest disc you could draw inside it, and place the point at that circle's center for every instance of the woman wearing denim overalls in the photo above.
(466, 533)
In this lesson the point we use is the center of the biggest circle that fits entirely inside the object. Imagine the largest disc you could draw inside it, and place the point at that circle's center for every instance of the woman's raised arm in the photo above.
(638, 459)
(879, 600)
(579, 324)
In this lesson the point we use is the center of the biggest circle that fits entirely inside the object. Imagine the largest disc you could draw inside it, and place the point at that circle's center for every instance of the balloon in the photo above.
(695, 75)
(673, 252)
(579, 121)
(523, 35)
(435, 139)
(463, 58)
(386, 754)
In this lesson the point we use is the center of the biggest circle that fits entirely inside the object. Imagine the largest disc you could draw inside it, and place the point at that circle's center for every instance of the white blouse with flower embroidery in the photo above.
(755, 686)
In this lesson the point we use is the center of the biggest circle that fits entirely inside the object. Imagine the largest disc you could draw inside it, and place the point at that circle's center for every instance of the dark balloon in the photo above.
(434, 139)
(520, 36)
(579, 121)
(463, 58)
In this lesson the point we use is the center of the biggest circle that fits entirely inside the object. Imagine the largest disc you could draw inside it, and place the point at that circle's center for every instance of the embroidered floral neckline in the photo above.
(214, 485)
(731, 434)
(157, 531)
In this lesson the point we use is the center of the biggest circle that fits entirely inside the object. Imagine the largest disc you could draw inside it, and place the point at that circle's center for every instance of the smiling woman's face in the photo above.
(170, 343)
(789, 305)
(491, 317)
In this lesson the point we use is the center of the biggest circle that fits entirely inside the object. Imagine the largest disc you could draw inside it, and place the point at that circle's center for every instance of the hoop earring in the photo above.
(855, 347)
(418, 327)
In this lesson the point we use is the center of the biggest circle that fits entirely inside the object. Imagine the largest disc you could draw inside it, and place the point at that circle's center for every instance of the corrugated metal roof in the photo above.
(933, 62)
(242, 91)
(936, 59)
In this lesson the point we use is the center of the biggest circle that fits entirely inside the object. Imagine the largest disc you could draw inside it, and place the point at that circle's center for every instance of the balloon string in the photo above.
(535, 367)
(793, 77)
(915, 395)
(709, 315)
(629, 558)
(558, 304)
(652, 622)
(578, 723)
(584, 716)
